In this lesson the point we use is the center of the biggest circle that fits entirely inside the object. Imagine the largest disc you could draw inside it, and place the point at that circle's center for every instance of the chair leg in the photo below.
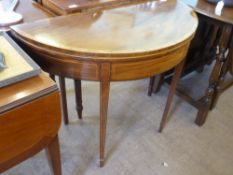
(78, 97)
(53, 152)
(63, 99)
(172, 89)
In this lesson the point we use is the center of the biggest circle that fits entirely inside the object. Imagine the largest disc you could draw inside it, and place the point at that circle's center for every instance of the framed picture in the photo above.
(18, 65)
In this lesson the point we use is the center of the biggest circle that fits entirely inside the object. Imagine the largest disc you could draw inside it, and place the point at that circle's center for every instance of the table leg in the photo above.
(104, 97)
(78, 97)
(151, 84)
(216, 79)
(155, 83)
(53, 152)
(63, 99)
(226, 61)
(172, 90)
(159, 83)
(207, 100)
(220, 81)
(231, 57)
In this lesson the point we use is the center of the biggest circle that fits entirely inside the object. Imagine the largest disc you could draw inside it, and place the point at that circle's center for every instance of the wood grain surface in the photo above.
(127, 31)
(17, 94)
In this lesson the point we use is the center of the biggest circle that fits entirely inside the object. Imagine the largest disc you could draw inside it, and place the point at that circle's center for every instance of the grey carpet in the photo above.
(134, 147)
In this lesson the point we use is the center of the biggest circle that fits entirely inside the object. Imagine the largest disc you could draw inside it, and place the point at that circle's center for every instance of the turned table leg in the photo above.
(172, 90)
(63, 99)
(216, 79)
(207, 100)
(53, 152)
(78, 97)
(226, 62)
(104, 97)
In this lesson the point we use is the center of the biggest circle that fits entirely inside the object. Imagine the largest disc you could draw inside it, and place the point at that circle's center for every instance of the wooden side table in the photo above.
(222, 20)
(30, 118)
(121, 44)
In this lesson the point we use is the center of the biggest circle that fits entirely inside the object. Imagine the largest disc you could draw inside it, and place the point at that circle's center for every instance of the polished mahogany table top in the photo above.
(124, 43)
(134, 30)
(215, 11)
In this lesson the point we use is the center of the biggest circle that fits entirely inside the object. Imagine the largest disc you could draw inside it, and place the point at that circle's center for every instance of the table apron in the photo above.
(120, 71)
(147, 68)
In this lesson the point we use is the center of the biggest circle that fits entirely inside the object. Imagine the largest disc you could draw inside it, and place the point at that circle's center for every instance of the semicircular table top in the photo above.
(125, 43)
(126, 31)
(216, 11)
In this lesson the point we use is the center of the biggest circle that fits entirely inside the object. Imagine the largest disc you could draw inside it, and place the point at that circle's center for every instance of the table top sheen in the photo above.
(24, 91)
(215, 11)
(131, 30)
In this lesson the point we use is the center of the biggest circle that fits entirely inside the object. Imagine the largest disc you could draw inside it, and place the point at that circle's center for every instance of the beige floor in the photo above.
(134, 147)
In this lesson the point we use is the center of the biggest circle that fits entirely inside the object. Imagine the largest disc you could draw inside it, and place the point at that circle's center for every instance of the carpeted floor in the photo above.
(134, 147)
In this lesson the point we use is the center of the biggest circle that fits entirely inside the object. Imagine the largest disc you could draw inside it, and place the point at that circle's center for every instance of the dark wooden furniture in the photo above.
(212, 42)
(131, 46)
(226, 2)
(222, 20)
(26, 125)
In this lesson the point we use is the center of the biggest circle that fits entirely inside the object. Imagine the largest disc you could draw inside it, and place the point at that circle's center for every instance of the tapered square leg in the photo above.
(172, 90)
(104, 97)
(53, 152)
(78, 97)
(63, 99)
(151, 84)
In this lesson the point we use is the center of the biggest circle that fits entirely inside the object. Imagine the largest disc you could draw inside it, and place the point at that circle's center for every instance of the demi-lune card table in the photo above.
(119, 44)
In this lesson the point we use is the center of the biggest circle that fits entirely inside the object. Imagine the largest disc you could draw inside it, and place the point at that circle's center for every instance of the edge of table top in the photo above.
(25, 91)
(93, 56)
